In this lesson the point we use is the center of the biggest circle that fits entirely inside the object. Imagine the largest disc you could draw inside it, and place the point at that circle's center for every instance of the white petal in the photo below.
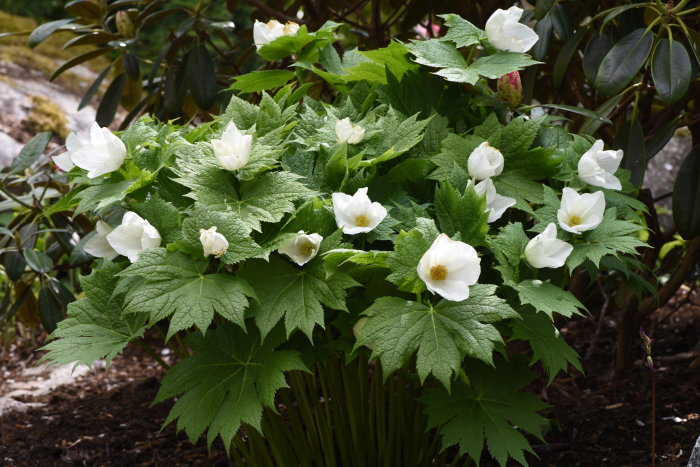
(126, 240)
(98, 245)
(461, 263)
(63, 161)
(452, 290)
(546, 250)
(485, 161)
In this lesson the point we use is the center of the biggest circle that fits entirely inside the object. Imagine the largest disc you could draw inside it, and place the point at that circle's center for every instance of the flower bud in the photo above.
(124, 25)
(347, 132)
(233, 149)
(484, 162)
(213, 243)
(510, 89)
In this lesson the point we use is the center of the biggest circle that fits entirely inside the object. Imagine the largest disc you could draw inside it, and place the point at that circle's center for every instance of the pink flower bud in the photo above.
(510, 89)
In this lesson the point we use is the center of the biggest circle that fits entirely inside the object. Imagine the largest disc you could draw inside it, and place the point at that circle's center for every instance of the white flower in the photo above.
(264, 33)
(357, 213)
(506, 33)
(102, 154)
(348, 132)
(233, 149)
(546, 250)
(449, 267)
(579, 213)
(98, 245)
(596, 167)
(496, 204)
(134, 235)
(213, 243)
(302, 248)
(74, 142)
(485, 161)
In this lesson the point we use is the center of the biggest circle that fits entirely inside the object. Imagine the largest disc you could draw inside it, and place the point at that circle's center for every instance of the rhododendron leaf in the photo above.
(226, 382)
(487, 405)
(95, 327)
(548, 346)
(175, 286)
(297, 294)
(441, 335)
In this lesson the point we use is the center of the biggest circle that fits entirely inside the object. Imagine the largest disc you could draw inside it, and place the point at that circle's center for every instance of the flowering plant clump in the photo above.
(414, 220)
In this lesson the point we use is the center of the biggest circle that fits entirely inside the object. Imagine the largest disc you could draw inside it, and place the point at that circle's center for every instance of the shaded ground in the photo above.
(605, 421)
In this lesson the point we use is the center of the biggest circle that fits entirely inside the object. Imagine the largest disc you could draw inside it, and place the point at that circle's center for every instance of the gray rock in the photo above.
(694, 460)
(9, 148)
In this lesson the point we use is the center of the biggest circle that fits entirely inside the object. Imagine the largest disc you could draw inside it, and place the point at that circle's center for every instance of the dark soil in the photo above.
(107, 418)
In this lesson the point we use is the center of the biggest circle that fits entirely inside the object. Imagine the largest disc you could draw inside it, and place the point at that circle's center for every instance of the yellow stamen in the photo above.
(361, 221)
(438, 273)
(307, 248)
(575, 220)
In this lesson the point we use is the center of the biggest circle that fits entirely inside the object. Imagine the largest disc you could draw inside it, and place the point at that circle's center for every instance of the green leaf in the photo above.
(451, 161)
(264, 199)
(524, 191)
(78, 60)
(30, 152)
(496, 65)
(95, 327)
(547, 298)
(94, 87)
(598, 45)
(45, 30)
(630, 138)
(201, 76)
(439, 54)
(408, 251)
(670, 70)
(461, 32)
(175, 286)
(442, 335)
(686, 196)
(487, 406)
(579, 110)
(257, 81)
(508, 248)
(611, 237)
(227, 381)
(38, 260)
(228, 224)
(110, 101)
(623, 61)
(591, 125)
(548, 346)
(297, 294)
(162, 215)
(463, 214)
(96, 197)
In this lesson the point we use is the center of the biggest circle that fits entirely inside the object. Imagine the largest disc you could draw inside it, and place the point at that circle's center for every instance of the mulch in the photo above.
(107, 418)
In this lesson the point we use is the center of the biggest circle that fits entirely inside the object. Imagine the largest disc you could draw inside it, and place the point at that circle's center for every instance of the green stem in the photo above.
(150, 352)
